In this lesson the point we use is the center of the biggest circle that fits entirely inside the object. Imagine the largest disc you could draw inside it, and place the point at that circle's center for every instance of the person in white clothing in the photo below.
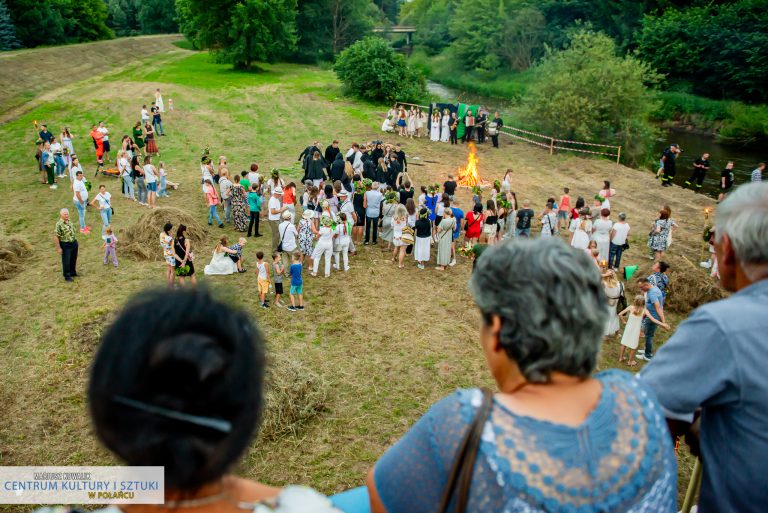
(159, 100)
(619, 236)
(347, 207)
(105, 140)
(357, 162)
(124, 167)
(445, 132)
(150, 178)
(253, 175)
(343, 238)
(324, 246)
(103, 201)
(601, 233)
(80, 199)
(144, 115)
(275, 210)
(288, 234)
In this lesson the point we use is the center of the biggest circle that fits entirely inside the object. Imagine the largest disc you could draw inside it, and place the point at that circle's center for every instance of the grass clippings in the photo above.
(142, 240)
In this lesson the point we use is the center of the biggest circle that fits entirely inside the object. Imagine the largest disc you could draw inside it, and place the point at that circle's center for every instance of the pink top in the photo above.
(210, 193)
(565, 203)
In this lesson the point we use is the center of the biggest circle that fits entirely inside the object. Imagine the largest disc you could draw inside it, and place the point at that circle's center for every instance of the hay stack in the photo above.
(13, 252)
(690, 285)
(142, 240)
(294, 394)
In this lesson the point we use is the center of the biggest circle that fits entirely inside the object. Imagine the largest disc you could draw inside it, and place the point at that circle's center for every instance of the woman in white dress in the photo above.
(421, 122)
(601, 233)
(221, 264)
(324, 246)
(580, 229)
(613, 290)
(445, 132)
(66, 141)
(411, 122)
(399, 222)
(434, 130)
(423, 238)
(159, 100)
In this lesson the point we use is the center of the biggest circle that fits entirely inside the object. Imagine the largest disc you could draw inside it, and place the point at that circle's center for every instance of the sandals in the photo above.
(633, 363)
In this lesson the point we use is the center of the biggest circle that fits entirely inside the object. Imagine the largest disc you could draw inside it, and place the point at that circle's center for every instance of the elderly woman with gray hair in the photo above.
(554, 437)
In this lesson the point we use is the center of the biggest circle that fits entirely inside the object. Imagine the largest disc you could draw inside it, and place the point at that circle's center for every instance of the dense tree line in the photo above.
(53, 22)
(134, 17)
(718, 49)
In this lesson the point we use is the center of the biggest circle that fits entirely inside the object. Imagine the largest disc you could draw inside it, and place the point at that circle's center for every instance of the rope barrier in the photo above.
(587, 144)
(585, 151)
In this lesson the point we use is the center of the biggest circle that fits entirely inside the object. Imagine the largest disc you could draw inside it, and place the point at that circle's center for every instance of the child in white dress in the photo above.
(631, 337)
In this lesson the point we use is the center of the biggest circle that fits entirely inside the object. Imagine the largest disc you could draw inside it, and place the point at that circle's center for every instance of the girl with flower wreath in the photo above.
(387, 216)
(324, 246)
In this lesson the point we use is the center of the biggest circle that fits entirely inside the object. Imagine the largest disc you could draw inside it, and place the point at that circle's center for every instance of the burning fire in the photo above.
(470, 176)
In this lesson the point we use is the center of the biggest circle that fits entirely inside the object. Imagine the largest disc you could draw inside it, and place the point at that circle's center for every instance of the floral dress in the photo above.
(305, 237)
(239, 212)
(657, 241)
(167, 242)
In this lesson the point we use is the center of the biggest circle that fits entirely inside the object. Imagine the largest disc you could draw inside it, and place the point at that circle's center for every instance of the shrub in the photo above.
(372, 70)
(586, 92)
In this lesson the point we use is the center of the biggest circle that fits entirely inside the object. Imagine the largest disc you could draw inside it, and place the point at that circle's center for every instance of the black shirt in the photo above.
(524, 217)
(155, 113)
(450, 187)
(669, 160)
(728, 175)
(499, 122)
(330, 153)
(423, 228)
(701, 162)
(46, 136)
(337, 168)
(401, 160)
(405, 194)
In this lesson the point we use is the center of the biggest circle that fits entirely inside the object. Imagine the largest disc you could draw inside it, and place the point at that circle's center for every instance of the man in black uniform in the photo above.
(668, 159)
(494, 128)
(331, 152)
(700, 168)
(401, 159)
(393, 169)
(482, 120)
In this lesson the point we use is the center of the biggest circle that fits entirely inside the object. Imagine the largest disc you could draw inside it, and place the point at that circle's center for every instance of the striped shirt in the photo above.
(757, 175)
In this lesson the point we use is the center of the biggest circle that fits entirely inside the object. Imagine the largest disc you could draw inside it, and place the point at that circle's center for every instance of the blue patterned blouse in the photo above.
(620, 459)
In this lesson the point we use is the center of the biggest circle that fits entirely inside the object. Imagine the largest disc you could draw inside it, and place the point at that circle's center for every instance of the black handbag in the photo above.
(464, 461)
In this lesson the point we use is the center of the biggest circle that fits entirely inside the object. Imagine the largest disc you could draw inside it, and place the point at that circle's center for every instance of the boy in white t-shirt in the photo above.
(262, 268)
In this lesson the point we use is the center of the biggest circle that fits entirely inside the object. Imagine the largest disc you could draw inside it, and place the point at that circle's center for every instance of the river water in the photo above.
(693, 144)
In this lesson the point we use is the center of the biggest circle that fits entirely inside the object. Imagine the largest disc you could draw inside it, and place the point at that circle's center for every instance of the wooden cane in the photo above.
(693, 487)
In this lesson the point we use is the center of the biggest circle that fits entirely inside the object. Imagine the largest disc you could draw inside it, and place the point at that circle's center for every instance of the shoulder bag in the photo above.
(280, 244)
(464, 462)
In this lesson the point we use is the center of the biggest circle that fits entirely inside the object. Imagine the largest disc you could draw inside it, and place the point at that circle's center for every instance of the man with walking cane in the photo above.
(715, 362)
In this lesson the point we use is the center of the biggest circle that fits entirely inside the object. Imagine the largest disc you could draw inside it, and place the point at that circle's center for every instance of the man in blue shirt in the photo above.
(458, 214)
(716, 361)
(654, 303)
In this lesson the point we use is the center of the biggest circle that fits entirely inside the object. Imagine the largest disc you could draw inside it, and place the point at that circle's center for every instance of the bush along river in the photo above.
(693, 144)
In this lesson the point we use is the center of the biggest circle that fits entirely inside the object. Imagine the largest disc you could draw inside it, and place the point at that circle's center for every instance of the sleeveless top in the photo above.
(620, 459)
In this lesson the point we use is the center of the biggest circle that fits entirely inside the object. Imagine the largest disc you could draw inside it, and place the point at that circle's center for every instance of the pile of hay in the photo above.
(690, 285)
(13, 252)
(294, 394)
(142, 240)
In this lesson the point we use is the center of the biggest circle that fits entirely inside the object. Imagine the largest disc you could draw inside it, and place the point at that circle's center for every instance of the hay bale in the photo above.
(142, 240)
(690, 285)
(294, 394)
(13, 252)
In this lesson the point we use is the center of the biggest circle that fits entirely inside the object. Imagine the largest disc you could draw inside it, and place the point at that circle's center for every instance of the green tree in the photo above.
(122, 17)
(38, 22)
(326, 27)
(86, 20)
(719, 50)
(586, 92)
(8, 39)
(157, 16)
(522, 35)
(240, 32)
(476, 28)
(372, 70)
(432, 21)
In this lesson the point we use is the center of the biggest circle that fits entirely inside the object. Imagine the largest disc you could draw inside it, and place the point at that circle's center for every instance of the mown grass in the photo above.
(389, 343)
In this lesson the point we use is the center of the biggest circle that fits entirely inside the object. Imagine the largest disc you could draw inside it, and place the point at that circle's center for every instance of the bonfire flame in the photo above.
(470, 176)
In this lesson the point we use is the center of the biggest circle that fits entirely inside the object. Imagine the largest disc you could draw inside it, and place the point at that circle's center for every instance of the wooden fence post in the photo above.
(618, 156)
(551, 145)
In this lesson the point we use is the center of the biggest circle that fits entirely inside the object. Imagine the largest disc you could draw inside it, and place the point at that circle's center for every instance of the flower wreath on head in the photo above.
(477, 190)
(424, 215)
(599, 198)
(326, 221)
(275, 173)
(497, 185)
(390, 197)
(359, 188)
(367, 182)
(433, 189)
(501, 200)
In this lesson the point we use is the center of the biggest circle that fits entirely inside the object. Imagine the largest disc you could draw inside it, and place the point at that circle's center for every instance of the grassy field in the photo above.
(386, 345)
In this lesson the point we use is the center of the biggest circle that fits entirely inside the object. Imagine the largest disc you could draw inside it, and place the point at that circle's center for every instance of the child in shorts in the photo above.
(279, 272)
(263, 278)
(297, 284)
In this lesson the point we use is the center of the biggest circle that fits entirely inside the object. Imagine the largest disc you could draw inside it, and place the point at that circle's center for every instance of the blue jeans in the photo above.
(162, 190)
(650, 330)
(614, 256)
(80, 206)
(129, 190)
(212, 212)
(141, 186)
(522, 232)
(61, 165)
(158, 126)
(106, 218)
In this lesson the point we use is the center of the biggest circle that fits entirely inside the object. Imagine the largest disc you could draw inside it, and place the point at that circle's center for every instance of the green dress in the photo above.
(138, 137)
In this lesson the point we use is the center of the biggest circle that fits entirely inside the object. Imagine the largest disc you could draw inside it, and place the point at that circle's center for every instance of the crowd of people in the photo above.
(443, 126)
(364, 196)
(555, 435)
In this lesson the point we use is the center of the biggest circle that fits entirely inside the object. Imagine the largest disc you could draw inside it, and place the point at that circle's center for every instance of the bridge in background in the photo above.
(408, 30)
